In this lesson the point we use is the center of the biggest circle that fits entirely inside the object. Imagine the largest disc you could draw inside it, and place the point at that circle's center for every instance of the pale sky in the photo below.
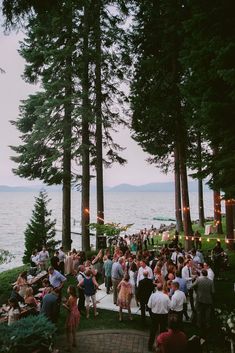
(13, 89)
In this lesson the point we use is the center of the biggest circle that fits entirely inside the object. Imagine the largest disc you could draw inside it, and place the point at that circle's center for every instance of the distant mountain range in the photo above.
(152, 187)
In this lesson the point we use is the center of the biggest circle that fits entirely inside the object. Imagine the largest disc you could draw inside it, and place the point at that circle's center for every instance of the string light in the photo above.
(86, 210)
(188, 237)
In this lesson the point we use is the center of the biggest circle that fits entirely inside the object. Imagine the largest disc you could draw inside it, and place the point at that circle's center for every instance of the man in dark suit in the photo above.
(204, 288)
(144, 290)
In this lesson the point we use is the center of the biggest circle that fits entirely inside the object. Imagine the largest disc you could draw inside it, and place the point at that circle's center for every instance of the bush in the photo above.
(28, 335)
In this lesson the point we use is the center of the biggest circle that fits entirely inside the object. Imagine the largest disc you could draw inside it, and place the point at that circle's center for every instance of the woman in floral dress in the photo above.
(73, 317)
(124, 296)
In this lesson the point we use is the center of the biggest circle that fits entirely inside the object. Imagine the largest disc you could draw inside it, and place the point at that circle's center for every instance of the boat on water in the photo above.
(165, 219)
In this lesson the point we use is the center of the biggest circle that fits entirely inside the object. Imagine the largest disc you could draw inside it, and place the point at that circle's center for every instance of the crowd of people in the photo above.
(162, 283)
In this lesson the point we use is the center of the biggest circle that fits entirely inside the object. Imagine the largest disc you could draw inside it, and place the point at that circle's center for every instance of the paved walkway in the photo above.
(108, 341)
(105, 301)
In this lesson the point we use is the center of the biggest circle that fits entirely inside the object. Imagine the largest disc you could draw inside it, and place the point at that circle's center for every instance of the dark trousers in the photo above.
(145, 244)
(142, 309)
(115, 283)
(108, 284)
(185, 311)
(61, 267)
(204, 312)
(81, 302)
(158, 323)
(178, 315)
(191, 299)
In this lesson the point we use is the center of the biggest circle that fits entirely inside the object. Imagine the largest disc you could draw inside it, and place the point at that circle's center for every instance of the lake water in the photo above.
(139, 208)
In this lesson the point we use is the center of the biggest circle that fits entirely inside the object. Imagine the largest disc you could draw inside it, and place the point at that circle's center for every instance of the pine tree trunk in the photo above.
(201, 203)
(99, 124)
(229, 222)
(66, 191)
(188, 231)
(180, 143)
(200, 184)
(85, 217)
(217, 212)
(66, 209)
(178, 211)
(234, 213)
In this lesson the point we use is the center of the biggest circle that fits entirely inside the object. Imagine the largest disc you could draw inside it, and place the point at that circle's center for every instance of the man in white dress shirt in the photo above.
(143, 268)
(178, 300)
(43, 257)
(210, 273)
(159, 305)
(188, 276)
(175, 256)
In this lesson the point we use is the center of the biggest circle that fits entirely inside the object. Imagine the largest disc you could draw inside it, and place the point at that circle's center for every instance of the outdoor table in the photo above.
(37, 278)
(25, 310)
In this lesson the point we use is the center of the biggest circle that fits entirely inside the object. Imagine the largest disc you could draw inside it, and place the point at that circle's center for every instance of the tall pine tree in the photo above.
(158, 106)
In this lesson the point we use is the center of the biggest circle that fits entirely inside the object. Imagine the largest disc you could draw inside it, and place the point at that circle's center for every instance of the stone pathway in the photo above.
(107, 341)
(105, 301)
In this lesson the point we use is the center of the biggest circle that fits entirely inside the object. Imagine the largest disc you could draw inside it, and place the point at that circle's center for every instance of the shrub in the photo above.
(28, 335)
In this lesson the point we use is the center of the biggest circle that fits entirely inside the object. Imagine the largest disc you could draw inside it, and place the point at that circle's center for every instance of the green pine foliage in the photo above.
(33, 333)
(40, 230)
(209, 85)
(155, 98)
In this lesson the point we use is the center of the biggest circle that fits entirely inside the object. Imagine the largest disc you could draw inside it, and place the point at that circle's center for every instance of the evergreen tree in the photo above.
(158, 106)
(209, 86)
(61, 53)
(47, 117)
(40, 230)
(110, 60)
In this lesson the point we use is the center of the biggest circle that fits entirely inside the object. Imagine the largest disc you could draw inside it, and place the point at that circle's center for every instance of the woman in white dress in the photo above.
(133, 270)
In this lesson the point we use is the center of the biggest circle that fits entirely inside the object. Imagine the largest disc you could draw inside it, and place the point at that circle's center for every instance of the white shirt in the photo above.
(56, 279)
(141, 271)
(61, 255)
(201, 257)
(80, 276)
(159, 303)
(210, 274)
(197, 259)
(177, 300)
(176, 255)
(43, 256)
(34, 258)
(187, 275)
